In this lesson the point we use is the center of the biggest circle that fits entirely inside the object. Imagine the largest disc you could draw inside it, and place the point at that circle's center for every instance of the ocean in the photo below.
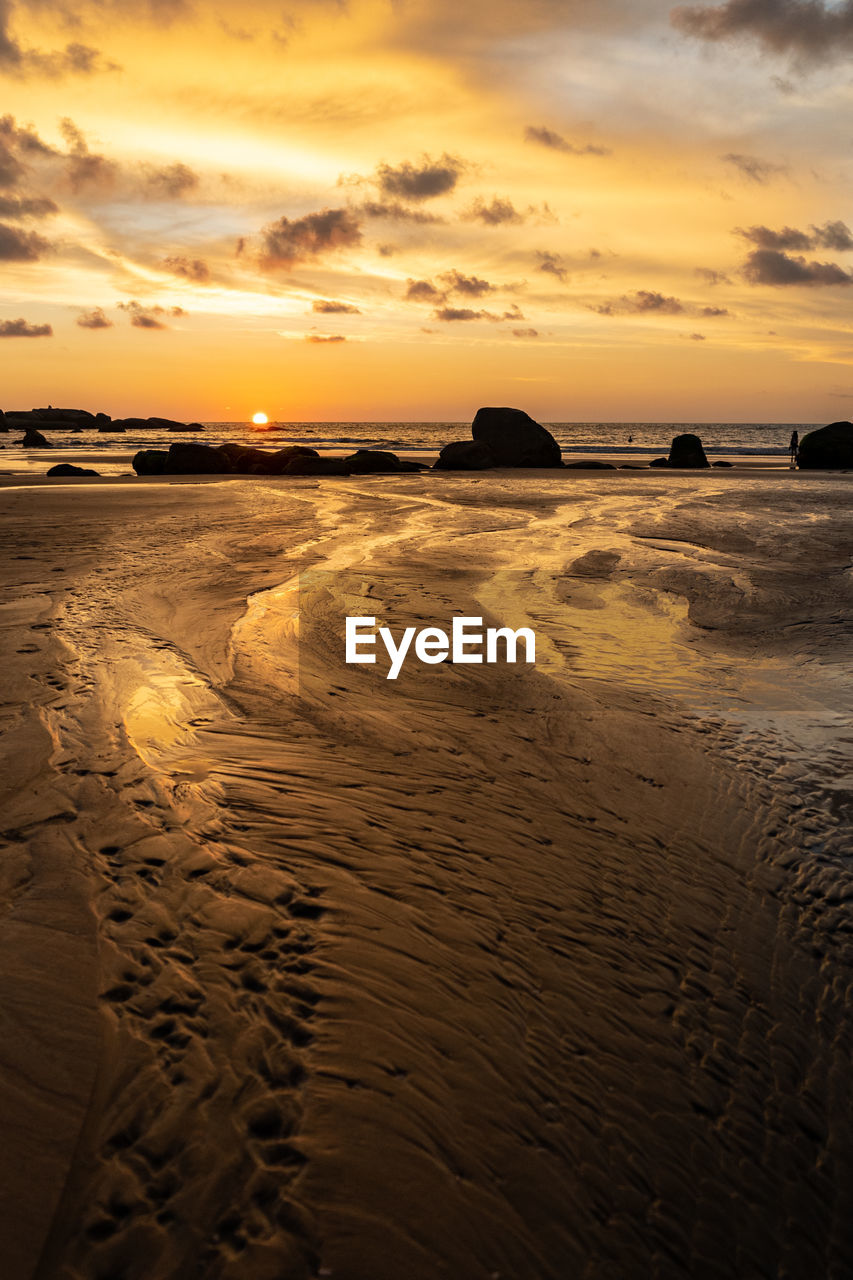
(596, 439)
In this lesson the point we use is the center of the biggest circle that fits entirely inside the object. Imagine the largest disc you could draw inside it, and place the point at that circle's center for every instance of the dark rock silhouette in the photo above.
(590, 464)
(829, 448)
(721, 462)
(465, 455)
(301, 465)
(193, 459)
(157, 424)
(370, 461)
(686, 451)
(151, 462)
(34, 439)
(113, 427)
(659, 462)
(515, 439)
(68, 469)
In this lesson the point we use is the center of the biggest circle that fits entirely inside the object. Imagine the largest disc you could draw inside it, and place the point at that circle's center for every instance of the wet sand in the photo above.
(488, 972)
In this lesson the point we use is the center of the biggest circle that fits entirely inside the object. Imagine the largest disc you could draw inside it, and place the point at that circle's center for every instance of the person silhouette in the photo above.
(794, 447)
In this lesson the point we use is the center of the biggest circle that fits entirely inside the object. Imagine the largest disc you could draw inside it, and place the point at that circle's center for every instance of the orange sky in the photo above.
(366, 211)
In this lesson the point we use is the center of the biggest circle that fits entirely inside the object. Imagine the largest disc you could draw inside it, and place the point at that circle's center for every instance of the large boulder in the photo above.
(112, 427)
(829, 448)
(686, 451)
(370, 461)
(151, 462)
(191, 459)
(465, 455)
(34, 439)
(68, 469)
(515, 439)
(302, 465)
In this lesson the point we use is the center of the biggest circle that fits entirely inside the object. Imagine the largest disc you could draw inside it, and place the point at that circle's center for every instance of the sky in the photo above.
(381, 210)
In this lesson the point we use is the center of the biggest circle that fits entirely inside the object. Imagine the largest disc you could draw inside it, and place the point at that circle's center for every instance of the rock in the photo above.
(515, 439)
(589, 464)
(34, 440)
(248, 460)
(68, 469)
(632, 466)
(301, 465)
(721, 462)
(191, 426)
(829, 448)
(465, 455)
(102, 418)
(371, 461)
(151, 462)
(659, 462)
(193, 459)
(686, 451)
(154, 424)
(112, 427)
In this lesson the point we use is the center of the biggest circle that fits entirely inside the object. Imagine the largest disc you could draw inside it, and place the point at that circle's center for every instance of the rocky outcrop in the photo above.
(829, 448)
(465, 455)
(302, 465)
(659, 462)
(157, 424)
(686, 451)
(590, 464)
(189, 458)
(721, 462)
(34, 439)
(68, 469)
(371, 461)
(111, 427)
(515, 439)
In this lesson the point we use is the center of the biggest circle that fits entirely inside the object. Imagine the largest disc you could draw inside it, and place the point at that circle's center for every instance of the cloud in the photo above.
(525, 333)
(458, 313)
(498, 213)
(833, 235)
(713, 312)
(450, 314)
(172, 180)
(809, 30)
(94, 319)
(641, 302)
(26, 207)
(766, 238)
(752, 167)
(470, 286)
(75, 58)
(556, 142)
(289, 241)
(323, 338)
(84, 166)
(770, 266)
(22, 329)
(324, 308)
(422, 291)
(697, 337)
(397, 212)
(425, 181)
(149, 317)
(20, 246)
(710, 276)
(552, 263)
(194, 269)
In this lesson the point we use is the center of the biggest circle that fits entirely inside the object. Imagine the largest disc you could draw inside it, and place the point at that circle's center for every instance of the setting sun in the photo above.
(260, 419)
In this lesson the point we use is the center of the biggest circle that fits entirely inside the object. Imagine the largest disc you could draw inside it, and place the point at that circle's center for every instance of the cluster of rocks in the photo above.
(190, 459)
(501, 438)
(33, 421)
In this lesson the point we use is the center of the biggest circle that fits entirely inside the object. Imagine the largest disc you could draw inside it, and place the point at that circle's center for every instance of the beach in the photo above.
(498, 973)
